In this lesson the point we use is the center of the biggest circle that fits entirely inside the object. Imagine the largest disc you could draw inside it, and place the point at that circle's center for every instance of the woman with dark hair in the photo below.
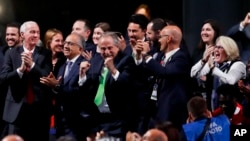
(210, 31)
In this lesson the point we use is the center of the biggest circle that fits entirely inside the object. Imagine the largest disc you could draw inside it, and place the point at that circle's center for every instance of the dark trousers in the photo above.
(112, 125)
(32, 123)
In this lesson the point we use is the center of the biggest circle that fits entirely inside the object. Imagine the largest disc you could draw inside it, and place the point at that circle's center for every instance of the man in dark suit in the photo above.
(27, 102)
(83, 27)
(12, 39)
(112, 108)
(172, 76)
(66, 86)
(241, 34)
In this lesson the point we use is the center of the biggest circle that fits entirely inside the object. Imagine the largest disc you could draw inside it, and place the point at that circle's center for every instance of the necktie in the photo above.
(162, 60)
(30, 97)
(68, 68)
(100, 91)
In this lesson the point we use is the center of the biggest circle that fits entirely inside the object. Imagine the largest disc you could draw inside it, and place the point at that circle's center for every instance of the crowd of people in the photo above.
(97, 84)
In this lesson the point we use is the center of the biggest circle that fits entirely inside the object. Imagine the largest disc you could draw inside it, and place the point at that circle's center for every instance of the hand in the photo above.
(123, 43)
(207, 53)
(27, 59)
(87, 55)
(146, 47)
(99, 135)
(132, 42)
(189, 119)
(84, 67)
(51, 80)
(211, 62)
(109, 63)
(133, 136)
(246, 21)
(23, 67)
(138, 50)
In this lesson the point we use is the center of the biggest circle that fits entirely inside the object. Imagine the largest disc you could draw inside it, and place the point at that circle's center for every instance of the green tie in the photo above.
(100, 91)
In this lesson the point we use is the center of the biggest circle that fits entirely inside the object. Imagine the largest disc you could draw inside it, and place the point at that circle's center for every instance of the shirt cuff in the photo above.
(82, 80)
(116, 75)
(19, 73)
(241, 27)
(149, 58)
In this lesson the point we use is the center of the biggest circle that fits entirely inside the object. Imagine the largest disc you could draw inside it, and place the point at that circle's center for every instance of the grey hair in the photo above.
(114, 36)
(229, 46)
(23, 27)
(80, 41)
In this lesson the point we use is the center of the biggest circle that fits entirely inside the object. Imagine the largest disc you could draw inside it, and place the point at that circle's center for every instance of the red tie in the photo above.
(30, 97)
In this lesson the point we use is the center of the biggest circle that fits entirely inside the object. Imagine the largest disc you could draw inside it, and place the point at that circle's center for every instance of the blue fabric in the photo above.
(219, 129)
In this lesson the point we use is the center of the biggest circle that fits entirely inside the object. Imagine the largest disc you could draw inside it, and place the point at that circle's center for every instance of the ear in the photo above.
(22, 34)
(190, 118)
(88, 32)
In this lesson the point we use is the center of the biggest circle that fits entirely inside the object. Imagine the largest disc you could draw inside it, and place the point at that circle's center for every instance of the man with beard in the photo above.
(12, 36)
(13, 39)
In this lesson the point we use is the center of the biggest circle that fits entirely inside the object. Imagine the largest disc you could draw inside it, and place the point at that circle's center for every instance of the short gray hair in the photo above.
(23, 27)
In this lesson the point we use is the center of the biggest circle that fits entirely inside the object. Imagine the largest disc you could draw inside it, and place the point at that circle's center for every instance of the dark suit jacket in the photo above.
(118, 93)
(18, 86)
(69, 91)
(173, 89)
(242, 38)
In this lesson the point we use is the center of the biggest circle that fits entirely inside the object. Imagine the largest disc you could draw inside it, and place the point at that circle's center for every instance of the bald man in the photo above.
(12, 138)
(171, 69)
(154, 135)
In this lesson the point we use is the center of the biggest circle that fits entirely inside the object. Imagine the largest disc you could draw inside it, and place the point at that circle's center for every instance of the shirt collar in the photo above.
(74, 59)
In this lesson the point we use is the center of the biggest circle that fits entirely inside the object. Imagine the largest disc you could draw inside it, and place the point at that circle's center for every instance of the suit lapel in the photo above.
(35, 54)
(74, 70)
(18, 55)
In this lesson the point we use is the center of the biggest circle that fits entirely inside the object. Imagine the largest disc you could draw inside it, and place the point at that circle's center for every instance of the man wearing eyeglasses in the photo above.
(66, 86)
(172, 74)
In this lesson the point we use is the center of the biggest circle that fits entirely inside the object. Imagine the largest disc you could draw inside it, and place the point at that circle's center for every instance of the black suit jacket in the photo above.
(118, 93)
(173, 90)
(18, 86)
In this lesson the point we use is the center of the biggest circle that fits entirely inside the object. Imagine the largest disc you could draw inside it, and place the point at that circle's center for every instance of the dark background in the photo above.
(188, 14)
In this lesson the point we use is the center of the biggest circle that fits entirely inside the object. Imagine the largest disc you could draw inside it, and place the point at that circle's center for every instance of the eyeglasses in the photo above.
(69, 43)
(163, 36)
(219, 47)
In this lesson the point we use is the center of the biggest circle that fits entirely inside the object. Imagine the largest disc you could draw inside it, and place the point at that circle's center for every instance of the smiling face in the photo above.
(71, 46)
(207, 34)
(31, 34)
(97, 34)
(57, 43)
(12, 36)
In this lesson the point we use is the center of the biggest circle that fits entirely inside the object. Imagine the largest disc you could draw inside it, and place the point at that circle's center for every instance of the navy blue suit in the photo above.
(173, 90)
(71, 100)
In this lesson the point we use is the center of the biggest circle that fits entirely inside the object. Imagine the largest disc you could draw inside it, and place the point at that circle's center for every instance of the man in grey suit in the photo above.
(27, 102)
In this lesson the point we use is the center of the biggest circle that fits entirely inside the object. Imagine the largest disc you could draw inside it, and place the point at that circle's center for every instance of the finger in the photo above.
(59, 79)
(50, 75)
